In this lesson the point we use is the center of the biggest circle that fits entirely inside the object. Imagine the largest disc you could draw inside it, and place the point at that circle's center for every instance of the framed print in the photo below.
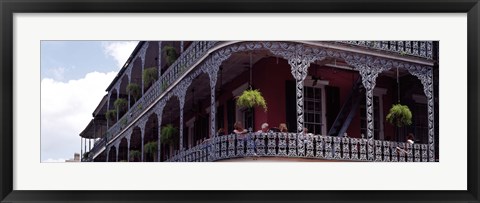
(239, 101)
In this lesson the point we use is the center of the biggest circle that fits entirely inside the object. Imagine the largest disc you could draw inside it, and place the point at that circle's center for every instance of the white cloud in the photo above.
(66, 109)
(120, 51)
(58, 73)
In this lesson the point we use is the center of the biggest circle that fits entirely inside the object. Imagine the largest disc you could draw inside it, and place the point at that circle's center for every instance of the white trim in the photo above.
(308, 82)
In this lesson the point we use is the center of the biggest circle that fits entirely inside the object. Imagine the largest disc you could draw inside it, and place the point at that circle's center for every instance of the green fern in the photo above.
(252, 98)
(150, 148)
(111, 115)
(134, 90)
(399, 115)
(168, 134)
(150, 75)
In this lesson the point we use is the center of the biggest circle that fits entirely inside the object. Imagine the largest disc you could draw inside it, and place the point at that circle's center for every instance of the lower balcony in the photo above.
(297, 147)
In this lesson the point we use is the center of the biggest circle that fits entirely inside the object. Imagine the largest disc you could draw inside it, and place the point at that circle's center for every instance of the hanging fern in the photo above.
(134, 90)
(168, 134)
(170, 54)
(111, 115)
(150, 148)
(149, 75)
(135, 155)
(120, 104)
(399, 115)
(252, 98)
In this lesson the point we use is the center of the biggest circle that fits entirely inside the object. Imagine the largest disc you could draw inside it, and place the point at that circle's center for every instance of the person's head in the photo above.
(238, 125)
(410, 136)
(264, 127)
(283, 127)
(221, 131)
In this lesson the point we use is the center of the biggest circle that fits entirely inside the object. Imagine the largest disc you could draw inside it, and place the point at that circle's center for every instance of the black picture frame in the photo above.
(10, 7)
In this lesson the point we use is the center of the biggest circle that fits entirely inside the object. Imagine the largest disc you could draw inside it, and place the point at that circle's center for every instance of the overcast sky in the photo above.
(74, 76)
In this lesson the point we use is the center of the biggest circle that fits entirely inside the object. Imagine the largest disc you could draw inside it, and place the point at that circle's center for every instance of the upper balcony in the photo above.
(198, 50)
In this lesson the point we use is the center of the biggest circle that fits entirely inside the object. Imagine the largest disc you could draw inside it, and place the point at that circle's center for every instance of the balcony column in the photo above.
(116, 148)
(181, 47)
(425, 75)
(129, 73)
(128, 147)
(81, 147)
(211, 68)
(108, 153)
(84, 145)
(142, 56)
(117, 87)
(299, 58)
(159, 61)
(141, 125)
(180, 91)
(369, 68)
(159, 111)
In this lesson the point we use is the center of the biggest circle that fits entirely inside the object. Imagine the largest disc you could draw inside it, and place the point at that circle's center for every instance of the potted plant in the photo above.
(135, 155)
(252, 98)
(168, 135)
(134, 90)
(170, 54)
(121, 105)
(150, 149)
(150, 75)
(111, 115)
(399, 115)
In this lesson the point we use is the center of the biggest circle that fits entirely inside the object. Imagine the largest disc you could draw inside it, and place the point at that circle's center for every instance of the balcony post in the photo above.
(181, 47)
(141, 125)
(108, 153)
(116, 149)
(369, 68)
(142, 57)
(159, 60)
(81, 147)
(299, 58)
(159, 111)
(180, 92)
(425, 75)
(128, 147)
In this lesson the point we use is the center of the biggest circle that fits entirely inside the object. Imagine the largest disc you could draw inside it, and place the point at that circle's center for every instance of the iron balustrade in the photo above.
(199, 49)
(293, 145)
(422, 49)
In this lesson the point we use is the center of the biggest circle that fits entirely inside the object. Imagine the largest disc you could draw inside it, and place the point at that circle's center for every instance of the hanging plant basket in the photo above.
(111, 115)
(168, 134)
(120, 104)
(399, 115)
(150, 148)
(170, 54)
(135, 155)
(134, 90)
(252, 98)
(150, 75)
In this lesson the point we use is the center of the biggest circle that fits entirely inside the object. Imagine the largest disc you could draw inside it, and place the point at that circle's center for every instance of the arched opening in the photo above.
(151, 65)
(123, 150)
(136, 145)
(151, 139)
(170, 129)
(112, 154)
(136, 77)
(111, 114)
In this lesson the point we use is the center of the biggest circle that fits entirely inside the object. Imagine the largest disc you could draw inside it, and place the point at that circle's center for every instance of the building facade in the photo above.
(341, 91)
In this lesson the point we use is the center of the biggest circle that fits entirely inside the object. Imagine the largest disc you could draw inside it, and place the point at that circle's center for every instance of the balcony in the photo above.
(293, 145)
(200, 49)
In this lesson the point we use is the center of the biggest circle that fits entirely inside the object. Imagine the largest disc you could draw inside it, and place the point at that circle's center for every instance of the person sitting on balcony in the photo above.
(410, 138)
(283, 128)
(238, 128)
(264, 129)
(221, 132)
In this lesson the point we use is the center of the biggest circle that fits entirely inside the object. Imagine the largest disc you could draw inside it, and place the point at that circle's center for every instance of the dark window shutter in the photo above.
(332, 97)
(290, 105)
(230, 115)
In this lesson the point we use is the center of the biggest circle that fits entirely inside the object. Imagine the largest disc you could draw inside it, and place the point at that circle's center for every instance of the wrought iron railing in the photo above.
(190, 56)
(199, 49)
(422, 49)
(293, 146)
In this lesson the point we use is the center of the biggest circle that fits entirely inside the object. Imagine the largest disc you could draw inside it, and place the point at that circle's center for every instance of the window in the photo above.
(313, 110)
